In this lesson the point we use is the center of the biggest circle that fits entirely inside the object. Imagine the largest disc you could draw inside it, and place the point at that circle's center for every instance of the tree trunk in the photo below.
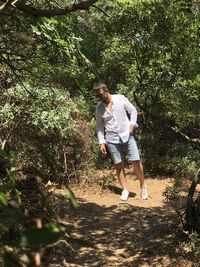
(190, 217)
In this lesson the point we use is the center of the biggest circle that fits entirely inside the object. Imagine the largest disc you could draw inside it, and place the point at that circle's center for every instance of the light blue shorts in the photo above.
(121, 150)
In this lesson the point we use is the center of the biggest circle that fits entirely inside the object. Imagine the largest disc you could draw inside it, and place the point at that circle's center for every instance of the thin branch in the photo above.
(190, 140)
(100, 9)
(3, 143)
(4, 5)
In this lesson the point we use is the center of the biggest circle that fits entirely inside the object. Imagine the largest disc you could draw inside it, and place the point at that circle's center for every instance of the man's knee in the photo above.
(136, 162)
(119, 166)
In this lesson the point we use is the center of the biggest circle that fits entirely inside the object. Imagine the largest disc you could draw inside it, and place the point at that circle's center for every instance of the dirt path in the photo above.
(139, 233)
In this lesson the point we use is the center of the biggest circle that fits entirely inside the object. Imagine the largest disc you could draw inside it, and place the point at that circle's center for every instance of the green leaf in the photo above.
(38, 237)
(55, 228)
(3, 199)
(72, 198)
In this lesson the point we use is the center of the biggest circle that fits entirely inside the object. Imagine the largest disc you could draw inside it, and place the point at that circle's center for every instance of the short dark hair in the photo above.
(99, 86)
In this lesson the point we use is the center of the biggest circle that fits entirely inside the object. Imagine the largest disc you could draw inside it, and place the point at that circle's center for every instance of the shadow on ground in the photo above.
(121, 235)
(116, 190)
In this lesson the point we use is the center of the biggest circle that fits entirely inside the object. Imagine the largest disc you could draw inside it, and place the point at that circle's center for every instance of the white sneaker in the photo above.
(124, 195)
(144, 192)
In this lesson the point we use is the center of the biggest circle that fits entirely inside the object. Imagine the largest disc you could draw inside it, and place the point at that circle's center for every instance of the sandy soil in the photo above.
(141, 233)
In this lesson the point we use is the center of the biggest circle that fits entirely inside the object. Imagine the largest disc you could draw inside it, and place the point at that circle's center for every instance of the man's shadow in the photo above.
(116, 190)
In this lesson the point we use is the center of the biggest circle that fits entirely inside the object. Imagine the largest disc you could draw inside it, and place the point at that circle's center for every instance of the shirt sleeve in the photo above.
(131, 111)
(100, 128)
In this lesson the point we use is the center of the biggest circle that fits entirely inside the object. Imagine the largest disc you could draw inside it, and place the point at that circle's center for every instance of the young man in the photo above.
(114, 130)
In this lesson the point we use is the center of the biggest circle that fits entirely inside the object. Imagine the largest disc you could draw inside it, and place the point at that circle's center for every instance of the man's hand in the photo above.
(131, 127)
(102, 148)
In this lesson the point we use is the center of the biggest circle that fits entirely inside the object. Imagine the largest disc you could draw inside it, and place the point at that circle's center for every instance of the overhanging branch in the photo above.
(33, 11)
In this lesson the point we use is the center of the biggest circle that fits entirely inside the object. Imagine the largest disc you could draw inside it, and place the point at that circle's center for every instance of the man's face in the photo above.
(103, 96)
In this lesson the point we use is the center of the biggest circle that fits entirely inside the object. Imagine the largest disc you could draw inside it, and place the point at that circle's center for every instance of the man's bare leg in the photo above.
(122, 180)
(121, 175)
(140, 175)
(138, 168)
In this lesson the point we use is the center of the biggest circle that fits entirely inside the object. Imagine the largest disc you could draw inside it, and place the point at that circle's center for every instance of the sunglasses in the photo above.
(101, 95)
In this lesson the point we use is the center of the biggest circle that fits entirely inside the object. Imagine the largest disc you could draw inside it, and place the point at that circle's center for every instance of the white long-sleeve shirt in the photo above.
(113, 125)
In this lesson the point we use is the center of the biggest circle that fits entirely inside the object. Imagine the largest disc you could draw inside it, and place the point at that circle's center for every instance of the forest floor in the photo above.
(134, 233)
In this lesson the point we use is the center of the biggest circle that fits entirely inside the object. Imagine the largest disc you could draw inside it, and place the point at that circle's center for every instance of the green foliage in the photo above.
(82, 105)
(145, 53)
(43, 51)
(48, 109)
(8, 181)
(37, 113)
(28, 237)
(147, 50)
(171, 157)
(58, 38)
(185, 102)
(48, 126)
(194, 245)
(8, 206)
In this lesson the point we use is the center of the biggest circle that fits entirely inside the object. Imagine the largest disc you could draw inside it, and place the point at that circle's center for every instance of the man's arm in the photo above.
(100, 133)
(132, 112)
